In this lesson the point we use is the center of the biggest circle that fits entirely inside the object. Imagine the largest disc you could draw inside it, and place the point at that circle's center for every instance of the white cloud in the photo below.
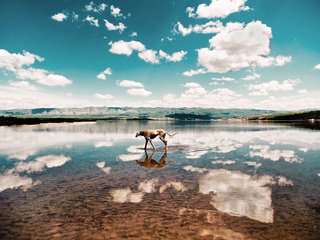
(139, 92)
(104, 96)
(115, 11)
(59, 17)
(219, 8)
(92, 21)
(191, 168)
(227, 79)
(264, 151)
(103, 144)
(91, 7)
(148, 186)
(130, 157)
(253, 76)
(238, 46)
(191, 73)
(24, 85)
(103, 75)
(12, 61)
(126, 48)
(111, 27)
(263, 89)
(317, 67)
(102, 166)
(10, 181)
(282, 60)
(42, 76)
(194, 90)
(175, 57)
(40, 163)
(239, 194)
(253, 164)
(130, 84)
(150, 56)
(190, 11)
(133, 34)
(178, 186)
(224, 162)
(207, 28)
(123, 195)
(74, 17)
(302, 91)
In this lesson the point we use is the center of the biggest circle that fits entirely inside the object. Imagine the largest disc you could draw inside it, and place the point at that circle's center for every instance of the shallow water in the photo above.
(217, 181)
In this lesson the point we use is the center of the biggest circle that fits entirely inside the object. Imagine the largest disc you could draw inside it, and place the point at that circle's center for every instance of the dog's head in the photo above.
(139, 134)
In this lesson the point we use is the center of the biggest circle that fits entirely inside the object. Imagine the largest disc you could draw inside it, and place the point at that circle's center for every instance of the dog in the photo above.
(152, 134)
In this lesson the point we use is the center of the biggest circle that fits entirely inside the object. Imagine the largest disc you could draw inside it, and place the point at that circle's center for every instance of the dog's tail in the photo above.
(171, 135)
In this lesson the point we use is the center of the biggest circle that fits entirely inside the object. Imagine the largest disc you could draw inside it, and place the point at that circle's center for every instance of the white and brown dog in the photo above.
(151, 134)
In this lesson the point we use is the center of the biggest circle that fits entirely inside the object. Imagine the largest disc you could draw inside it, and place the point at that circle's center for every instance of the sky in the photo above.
(169, 53)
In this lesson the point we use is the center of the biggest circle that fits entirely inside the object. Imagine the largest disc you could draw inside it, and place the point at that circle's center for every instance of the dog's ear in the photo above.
(141, 133)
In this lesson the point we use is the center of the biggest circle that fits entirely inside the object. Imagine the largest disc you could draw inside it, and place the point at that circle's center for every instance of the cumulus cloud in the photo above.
(16, 63)
(175, 57)
(194, 90)
(42, 76)
(218, 8)
(238, 46)
(130, 84)
(103, 75)
(59, 17)
(133, 34)
(150, 56)
(11, 181)
(103, 144)
(111, 27)
(239, 194)
(104, 96)
(191, 73)
(263, 89)
(102, 166)
(264, 151)
(115, 11)
(178, 186)
(207, 28)
(224, 162)
(227, 79)
(317, 67)
(282, 60)
(148, 186)
(92, 21)
(139, 92)
(39, 164)
(24, 85)
(91, 7)
(250, 77)
(123, 195)
(12, 61)
(126, 48)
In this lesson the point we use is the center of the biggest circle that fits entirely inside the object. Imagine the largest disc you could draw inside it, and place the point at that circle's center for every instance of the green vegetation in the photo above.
(290, 116)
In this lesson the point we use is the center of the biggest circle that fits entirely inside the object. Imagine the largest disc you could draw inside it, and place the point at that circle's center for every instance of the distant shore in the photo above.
(307, 117)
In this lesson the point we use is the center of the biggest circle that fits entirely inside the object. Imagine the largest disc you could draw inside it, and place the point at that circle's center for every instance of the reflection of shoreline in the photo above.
(10, 121)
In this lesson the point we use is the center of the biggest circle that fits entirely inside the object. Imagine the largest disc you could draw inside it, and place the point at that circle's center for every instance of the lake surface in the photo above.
(218, 180)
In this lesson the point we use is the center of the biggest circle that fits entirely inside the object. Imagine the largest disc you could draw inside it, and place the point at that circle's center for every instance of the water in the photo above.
(217, 181)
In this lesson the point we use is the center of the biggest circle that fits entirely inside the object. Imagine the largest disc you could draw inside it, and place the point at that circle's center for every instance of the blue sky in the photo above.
(214, 53)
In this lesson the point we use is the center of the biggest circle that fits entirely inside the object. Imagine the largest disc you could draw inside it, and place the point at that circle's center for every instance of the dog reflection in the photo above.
(149, 162)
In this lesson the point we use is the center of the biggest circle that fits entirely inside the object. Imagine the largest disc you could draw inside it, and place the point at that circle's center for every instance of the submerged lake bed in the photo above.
(218, 180)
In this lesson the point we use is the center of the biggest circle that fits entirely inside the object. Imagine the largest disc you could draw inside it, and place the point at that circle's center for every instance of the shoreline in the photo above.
(17, 121)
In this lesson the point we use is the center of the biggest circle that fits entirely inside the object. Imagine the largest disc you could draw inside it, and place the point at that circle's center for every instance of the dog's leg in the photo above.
(152, 144)
(164, 141)
(145, 146)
